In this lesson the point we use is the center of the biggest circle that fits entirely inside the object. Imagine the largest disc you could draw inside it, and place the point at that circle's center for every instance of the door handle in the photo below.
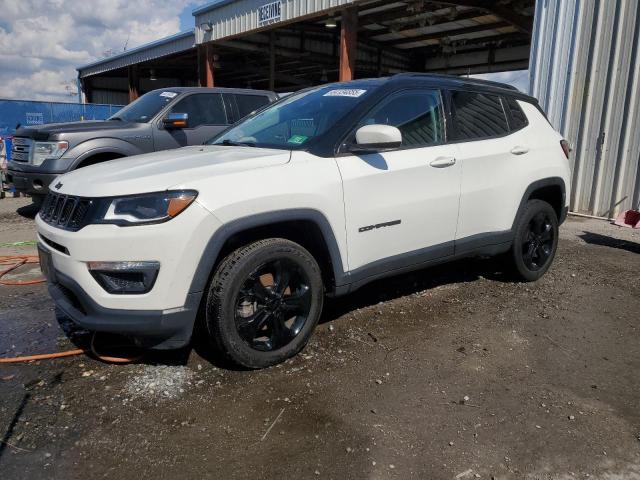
(443, 162)
(519, 150)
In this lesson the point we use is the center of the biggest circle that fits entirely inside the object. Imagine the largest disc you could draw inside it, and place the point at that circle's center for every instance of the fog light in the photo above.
(125, 277)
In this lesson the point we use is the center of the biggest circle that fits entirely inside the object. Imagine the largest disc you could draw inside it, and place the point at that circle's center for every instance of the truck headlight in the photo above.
(40, 151)
(145, 208)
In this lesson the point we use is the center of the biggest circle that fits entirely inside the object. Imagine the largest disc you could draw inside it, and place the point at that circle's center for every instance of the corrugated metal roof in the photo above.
(165, 46)
(228, 18)
(586, 73)
(211, 6)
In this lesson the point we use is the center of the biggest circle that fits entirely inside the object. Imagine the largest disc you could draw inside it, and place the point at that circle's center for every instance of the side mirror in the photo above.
(376, 138)
(176, 120)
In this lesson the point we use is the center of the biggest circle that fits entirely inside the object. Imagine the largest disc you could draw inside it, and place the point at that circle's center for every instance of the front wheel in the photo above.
(264, 301)
(535, 242)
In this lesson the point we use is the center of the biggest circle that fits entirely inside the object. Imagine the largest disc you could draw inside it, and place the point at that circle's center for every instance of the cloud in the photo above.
(43, 41)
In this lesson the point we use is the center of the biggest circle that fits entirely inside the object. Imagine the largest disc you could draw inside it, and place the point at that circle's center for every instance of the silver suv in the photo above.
(159, 120)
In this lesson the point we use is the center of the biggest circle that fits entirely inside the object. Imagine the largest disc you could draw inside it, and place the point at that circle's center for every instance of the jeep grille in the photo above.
(65, 211)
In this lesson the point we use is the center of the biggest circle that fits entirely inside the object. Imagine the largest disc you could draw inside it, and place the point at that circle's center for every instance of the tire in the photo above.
(535, 241)
(263, 303)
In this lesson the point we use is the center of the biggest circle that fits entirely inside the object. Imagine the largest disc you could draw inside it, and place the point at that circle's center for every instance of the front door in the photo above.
(402, 206)
(207, 117)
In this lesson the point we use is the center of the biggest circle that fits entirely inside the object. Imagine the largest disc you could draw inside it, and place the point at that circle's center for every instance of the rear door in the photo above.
(247, 103)
(491, 152)
(402, 206)
(207, 117)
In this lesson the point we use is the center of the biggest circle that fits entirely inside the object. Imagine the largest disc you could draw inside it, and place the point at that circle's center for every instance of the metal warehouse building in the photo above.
(585, 66)
(285, 45)
(582, 54)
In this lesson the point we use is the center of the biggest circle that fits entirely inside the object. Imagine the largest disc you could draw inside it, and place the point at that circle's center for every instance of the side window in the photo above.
(478, 115)
(203, 109)
(518, 118)
(417, 114)
(249, 103)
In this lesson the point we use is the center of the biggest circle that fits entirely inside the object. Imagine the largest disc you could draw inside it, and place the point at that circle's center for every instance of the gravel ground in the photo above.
(448, 373)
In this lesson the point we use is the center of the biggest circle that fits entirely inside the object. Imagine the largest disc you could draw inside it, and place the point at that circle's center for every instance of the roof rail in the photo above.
(475, 81)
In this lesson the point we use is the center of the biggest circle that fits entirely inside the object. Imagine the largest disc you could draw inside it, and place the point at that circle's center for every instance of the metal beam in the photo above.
(384, 16)
(448, 33)
(272, 60)
(439, 20)
(521, 22)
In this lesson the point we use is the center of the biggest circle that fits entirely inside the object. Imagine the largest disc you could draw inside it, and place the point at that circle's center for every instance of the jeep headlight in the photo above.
(40, 151)
(145, 208)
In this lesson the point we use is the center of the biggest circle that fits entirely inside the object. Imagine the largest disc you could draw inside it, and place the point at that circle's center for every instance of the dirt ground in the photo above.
(448, 373)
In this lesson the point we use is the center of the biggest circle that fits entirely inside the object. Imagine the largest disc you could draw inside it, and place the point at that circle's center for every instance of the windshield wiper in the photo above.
(115, 118)
(230, 143)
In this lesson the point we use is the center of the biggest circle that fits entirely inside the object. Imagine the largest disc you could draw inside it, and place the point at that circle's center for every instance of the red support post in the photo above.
(348, 43)
(205, 65)
(134, 82)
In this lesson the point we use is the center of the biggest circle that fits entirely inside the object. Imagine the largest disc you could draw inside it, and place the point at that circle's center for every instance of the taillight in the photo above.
(566, 148)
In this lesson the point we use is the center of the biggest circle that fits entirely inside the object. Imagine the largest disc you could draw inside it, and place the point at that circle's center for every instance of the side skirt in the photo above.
(486, 244)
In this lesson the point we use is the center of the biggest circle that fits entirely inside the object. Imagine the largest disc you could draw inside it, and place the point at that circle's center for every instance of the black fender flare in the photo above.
(544, 182)
(219, 238)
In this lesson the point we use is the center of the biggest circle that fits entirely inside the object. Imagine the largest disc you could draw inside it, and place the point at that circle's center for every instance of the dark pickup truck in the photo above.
(159, 120)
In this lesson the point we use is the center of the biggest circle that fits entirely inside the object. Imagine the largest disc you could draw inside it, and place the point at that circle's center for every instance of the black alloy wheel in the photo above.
(538, 242)
(264, 302)
(273, 305)
(535, 241)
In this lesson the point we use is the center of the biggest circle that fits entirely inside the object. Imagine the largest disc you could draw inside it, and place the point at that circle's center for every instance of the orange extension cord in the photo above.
(72, 353)
(16, 261)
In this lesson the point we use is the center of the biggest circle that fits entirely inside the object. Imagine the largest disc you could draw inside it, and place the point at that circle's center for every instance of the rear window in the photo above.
(249, 103)
(518, 118)
(478, 115)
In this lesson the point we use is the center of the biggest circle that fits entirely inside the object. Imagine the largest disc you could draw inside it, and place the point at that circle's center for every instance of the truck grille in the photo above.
(65, 211)
(21, 148)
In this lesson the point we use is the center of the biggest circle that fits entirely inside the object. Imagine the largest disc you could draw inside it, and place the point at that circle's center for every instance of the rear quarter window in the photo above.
(478, 115)
(517, 116)
(249, 103)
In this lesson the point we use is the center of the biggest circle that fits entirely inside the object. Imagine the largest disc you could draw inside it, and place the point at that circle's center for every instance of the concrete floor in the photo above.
(551, 371)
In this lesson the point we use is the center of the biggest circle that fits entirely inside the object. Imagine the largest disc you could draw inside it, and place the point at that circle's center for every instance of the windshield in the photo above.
(296, 121)
(144, 108)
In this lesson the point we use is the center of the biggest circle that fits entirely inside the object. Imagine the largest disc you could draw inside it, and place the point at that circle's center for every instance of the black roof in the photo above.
(439, 80)
(213, 90)
(453, 81)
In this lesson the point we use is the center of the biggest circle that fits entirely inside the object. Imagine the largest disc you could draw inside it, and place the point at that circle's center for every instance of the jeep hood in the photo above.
(158, 171)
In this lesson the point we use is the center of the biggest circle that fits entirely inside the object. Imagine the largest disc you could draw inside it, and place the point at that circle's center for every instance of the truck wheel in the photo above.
(535, 242)
(264, 301)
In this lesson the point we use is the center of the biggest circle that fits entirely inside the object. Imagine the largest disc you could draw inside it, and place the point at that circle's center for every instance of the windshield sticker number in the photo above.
(168, 94)
(345, 92)
(297, 139)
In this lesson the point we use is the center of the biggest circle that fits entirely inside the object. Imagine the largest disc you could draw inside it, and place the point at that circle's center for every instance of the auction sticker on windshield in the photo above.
(345, 92)
(297, 139)
(168, 94)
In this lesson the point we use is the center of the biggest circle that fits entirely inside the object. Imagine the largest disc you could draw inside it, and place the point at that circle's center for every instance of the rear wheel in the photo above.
(535, 242)
(264, 301)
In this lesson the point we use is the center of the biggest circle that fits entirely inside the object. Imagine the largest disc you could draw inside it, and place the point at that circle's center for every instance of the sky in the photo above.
(42, 42)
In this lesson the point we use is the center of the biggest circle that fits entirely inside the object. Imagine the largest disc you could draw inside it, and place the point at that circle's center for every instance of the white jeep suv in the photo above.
(317, 194)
